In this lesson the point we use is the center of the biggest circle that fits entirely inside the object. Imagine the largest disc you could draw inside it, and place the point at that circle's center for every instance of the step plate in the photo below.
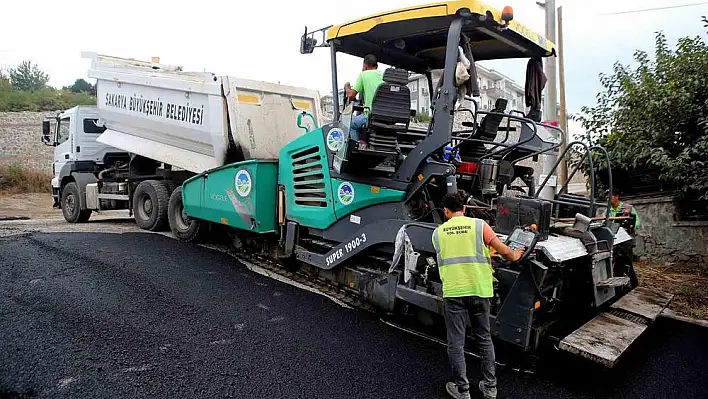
(614, 282)
(603, 339)
(644, 302)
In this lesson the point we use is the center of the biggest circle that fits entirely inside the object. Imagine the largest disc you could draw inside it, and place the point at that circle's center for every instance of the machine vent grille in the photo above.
(308, 178)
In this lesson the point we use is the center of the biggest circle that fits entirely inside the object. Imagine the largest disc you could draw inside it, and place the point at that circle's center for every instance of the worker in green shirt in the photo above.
(620, 208)
(367, 83)
(624, 252)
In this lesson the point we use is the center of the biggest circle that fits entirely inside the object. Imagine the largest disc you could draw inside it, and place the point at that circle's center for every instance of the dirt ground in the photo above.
(689, 284)
(32, 206)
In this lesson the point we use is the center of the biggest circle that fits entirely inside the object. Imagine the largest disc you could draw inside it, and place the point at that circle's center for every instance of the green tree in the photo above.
(28, 77)
(80, 86)
(655, 115)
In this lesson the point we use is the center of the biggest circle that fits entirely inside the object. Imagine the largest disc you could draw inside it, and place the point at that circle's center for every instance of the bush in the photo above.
(18, 179)
(43, 100)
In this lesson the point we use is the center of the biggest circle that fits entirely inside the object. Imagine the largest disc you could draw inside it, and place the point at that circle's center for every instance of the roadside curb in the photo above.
(670, 314)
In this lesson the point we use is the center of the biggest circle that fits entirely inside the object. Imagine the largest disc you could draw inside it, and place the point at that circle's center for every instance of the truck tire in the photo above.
(150, 205)
(71, 205)
(182, 226)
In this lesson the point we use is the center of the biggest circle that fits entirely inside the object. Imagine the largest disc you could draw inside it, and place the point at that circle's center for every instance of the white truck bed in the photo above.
(189, 119)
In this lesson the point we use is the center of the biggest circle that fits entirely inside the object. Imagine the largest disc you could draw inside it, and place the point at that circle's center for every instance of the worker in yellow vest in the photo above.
(462, 246)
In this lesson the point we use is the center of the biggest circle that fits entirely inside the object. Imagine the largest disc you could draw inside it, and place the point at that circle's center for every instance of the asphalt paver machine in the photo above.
(358, 222)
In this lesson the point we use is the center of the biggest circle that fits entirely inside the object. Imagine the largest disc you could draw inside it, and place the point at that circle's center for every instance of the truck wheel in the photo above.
(182, 226)
(150, 205)
(71, 205)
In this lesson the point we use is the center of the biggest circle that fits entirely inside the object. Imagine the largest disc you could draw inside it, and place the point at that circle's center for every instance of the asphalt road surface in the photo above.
(91, 315)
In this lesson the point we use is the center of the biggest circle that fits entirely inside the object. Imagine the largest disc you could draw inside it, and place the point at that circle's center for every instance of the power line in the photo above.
(657, 8)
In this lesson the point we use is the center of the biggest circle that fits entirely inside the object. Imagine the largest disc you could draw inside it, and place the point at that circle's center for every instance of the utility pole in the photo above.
(563, 173)
(550, 110)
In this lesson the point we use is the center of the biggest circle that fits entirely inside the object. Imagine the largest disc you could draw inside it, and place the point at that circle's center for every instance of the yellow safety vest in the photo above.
(463, 259)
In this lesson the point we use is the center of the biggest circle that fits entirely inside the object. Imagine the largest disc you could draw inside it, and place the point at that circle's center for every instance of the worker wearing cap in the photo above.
(462, 247)
(624, 252)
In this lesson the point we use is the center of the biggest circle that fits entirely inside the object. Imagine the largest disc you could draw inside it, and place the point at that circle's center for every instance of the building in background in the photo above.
(492, 85)
(328, 105)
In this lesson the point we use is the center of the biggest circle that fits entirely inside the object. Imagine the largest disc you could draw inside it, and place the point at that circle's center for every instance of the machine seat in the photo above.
(390, 109)
(570, 204)
(487, 130)
(390, 114)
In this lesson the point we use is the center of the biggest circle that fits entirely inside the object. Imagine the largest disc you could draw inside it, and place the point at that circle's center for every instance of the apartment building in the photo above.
(492, 85)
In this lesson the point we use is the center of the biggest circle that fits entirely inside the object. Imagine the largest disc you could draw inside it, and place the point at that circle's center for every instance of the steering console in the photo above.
(522, 238)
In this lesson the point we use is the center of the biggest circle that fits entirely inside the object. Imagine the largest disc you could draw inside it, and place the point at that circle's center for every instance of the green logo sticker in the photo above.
(345, 193)
(335, 139)
(243, 183)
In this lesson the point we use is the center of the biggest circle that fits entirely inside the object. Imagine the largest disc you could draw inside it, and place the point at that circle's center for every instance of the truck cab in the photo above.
(73, 137)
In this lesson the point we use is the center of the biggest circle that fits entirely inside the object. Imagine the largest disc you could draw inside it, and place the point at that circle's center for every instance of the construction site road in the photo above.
(104, 310)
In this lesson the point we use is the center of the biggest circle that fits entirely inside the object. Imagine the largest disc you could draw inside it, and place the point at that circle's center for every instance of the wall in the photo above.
(663, 239)
(20, 134)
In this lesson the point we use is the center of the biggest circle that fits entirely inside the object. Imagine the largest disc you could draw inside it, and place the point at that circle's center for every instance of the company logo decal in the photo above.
(335, 139)
(243, 183)
(345, 193)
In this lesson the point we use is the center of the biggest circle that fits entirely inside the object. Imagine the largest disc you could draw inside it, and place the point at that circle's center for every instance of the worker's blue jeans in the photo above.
(356, 126)
(478, 311)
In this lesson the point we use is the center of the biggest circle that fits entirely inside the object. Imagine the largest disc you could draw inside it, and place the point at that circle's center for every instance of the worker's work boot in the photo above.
(487, 392)
(454, 391)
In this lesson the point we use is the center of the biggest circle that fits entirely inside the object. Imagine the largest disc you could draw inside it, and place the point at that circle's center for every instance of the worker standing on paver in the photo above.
(624, 253)
(462, 246)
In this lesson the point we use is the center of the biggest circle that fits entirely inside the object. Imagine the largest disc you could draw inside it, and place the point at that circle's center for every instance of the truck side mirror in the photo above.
(46, 133)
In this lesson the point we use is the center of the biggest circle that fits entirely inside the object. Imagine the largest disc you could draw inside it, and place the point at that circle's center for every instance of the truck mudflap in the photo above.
(606, 337)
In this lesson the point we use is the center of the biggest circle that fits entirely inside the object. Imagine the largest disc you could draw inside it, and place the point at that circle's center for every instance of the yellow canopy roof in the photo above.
(421, 31)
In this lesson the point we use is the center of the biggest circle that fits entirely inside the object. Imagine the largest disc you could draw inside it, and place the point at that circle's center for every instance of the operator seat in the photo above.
(570, 204)
(390, 114)
(390, 110)
(487, 130)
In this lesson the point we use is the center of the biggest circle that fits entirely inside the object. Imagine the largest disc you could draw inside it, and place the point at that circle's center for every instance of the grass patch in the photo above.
(17, 179)
(689, 284)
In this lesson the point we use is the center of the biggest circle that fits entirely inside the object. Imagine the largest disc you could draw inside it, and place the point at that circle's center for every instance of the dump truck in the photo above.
(155, 125)
(356, 221)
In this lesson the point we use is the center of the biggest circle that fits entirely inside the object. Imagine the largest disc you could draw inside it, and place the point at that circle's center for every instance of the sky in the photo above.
(260, 41)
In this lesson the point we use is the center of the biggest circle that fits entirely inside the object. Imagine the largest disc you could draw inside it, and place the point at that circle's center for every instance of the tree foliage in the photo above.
(80, 86)
(655, 115)
(28, 77)
(25, 89)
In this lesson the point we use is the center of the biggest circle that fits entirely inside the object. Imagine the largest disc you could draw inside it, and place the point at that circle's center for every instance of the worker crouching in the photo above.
(462, 246)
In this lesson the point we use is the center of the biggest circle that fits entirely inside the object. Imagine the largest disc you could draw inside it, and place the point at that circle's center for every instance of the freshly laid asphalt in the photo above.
(93, 315)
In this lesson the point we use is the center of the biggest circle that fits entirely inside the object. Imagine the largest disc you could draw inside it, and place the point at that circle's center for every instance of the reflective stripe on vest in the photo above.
(463, 258)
